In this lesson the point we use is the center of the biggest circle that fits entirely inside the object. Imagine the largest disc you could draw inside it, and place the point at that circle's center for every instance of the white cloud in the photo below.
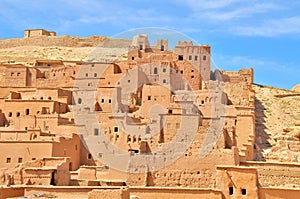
(271, 28)
(204, 4)
(238, 12)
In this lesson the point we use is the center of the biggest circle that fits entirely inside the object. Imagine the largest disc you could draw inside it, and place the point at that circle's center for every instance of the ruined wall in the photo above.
(6, 192)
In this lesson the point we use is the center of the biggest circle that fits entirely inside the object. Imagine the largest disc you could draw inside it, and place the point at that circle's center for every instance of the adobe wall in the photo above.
(6, 192)
(122, 193)
(68, 147)
(237, 182)
(16, 76)
(178, 193)
(243, 75)
(25, 150)
(277, 193)
(276, 174)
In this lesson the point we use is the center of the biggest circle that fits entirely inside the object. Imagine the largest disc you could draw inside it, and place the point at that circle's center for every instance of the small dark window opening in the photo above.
(10, 114)
(93, 65)
(116, 129)
(109, 101)
(155, 70)
(27, 111)
(190, 57)
(181, 71)
(100, 155)
(230, 190)
(96, 131)
(33, 158)
(196, 58)
(244, 191)
(49, 98)
(86, 74)
(164, 81)
(95, 74)
(192, 76)
(41, 98)
(8, 160)
(79, 100)
(162, 48)
(20, 160)
(192, 71)
(128, 81)
(170, 111)
(180, 57)
(164, 70)
(204, 57)
(149, 97)
(132, 58)
(89, 156)
(141, 47)
(18, 114)
(102, 100)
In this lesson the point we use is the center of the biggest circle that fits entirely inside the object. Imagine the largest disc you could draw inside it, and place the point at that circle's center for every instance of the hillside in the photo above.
(277, 124)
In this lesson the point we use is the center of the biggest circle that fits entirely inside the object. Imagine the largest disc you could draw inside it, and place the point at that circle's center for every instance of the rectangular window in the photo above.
(86, 74)
(230, 190)
(162, 48)
(20, 160)
(8, 160)
(27, 111)
(190, 57)
(204, 57)
(89, 156)
(196, 58)
(46, 128)
(192, 76)
(10, 114)
(100, 155)
(180, 57)
(141, 47)
(95, 74)
(116, 129)
(244, 192)
(149, 97)
(96, 131)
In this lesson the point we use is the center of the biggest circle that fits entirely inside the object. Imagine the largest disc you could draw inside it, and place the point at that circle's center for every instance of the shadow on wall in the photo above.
(261, 138)
(86, 158)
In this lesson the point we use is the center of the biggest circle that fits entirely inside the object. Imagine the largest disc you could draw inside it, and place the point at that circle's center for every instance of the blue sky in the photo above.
(261, 34)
